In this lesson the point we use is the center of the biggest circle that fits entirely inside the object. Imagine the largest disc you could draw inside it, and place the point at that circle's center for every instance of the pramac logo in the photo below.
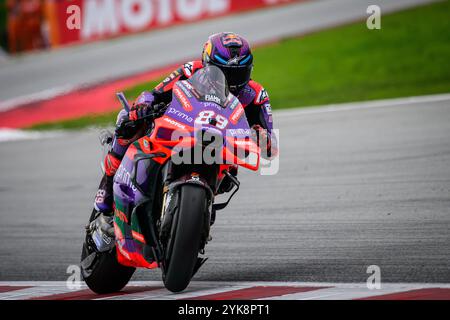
(237, 114)
(184, 101)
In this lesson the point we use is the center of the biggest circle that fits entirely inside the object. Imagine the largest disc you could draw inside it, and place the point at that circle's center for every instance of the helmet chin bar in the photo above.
(241, 78)
(236, 89)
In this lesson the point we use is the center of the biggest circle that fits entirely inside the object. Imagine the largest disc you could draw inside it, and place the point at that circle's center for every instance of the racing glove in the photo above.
(142, 106)
(142, 111)
(260, 135)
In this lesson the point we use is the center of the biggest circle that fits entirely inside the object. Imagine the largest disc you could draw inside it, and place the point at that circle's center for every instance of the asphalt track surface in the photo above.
(67, 68)
(358, 185)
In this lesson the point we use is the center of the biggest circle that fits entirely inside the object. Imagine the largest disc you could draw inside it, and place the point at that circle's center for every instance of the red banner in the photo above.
(89, 20)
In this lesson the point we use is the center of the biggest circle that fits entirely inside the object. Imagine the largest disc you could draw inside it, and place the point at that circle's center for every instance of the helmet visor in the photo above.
(237, 76)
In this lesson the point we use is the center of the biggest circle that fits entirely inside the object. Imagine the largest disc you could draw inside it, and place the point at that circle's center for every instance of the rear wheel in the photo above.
(108, 275)
(185, 240)
(101, 270)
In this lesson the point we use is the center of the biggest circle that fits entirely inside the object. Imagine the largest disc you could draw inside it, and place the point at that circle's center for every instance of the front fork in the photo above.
(170, 203)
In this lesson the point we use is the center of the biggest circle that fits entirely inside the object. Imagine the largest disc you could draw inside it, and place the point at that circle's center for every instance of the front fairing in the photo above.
(189, 113)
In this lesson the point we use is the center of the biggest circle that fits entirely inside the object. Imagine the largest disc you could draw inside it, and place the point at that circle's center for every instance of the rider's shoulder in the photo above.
(190, 67)
(260, 94)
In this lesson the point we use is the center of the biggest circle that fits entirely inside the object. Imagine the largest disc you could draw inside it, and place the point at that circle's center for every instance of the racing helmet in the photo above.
(231, 53)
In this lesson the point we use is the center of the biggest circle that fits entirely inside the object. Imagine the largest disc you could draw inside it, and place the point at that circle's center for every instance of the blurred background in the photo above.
(359, 184)
(325, 48)
(23, 26)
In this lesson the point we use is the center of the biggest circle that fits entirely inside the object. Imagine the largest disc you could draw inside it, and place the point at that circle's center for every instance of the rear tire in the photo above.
(186, 238)
(106, 275)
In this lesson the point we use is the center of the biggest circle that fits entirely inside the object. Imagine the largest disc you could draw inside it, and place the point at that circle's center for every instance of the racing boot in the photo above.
(99, 230)
(100, 233)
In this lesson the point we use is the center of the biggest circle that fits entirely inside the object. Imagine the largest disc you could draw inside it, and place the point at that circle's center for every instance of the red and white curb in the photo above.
(199, 290)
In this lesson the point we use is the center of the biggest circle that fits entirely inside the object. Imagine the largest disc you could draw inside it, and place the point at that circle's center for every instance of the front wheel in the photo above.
(185, 238)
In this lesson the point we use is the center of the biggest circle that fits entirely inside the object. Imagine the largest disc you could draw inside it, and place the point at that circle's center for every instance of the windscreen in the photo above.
(211, 84)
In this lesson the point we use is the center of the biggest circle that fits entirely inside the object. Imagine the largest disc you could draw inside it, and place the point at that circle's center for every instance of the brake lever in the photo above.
(124, 128)
(127, 125)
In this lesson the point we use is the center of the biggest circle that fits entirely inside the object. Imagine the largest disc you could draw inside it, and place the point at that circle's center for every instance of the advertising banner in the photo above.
(73, 21)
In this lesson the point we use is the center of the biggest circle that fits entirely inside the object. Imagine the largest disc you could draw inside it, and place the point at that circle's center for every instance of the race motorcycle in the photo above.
(166, 186)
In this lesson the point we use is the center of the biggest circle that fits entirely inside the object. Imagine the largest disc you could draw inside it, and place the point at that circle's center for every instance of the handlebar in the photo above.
(127, 126)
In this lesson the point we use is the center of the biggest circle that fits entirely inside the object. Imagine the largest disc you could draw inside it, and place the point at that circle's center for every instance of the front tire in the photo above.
(186, 237)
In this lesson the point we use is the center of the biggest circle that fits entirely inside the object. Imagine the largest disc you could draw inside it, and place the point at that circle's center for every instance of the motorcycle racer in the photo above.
(232, 54)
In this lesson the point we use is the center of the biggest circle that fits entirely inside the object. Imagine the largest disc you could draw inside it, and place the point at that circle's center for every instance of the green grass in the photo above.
(408, 56)
(134, 92)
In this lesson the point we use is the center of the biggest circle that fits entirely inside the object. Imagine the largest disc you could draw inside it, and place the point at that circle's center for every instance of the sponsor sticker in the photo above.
(233, 61)
(125, 177)
(212, 105)
(243, 142)
(188, 85)
(234, 103)
(182, 86)
(212, 98)
(182, 98)
(239, 132)
(180, 114)
(237, 113)
(231, 39)
(174, 123)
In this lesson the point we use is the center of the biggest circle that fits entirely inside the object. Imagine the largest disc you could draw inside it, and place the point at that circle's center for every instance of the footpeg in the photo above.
(101, 231)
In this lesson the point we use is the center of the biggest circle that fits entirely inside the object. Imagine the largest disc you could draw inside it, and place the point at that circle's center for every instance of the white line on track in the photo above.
(7, 134)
